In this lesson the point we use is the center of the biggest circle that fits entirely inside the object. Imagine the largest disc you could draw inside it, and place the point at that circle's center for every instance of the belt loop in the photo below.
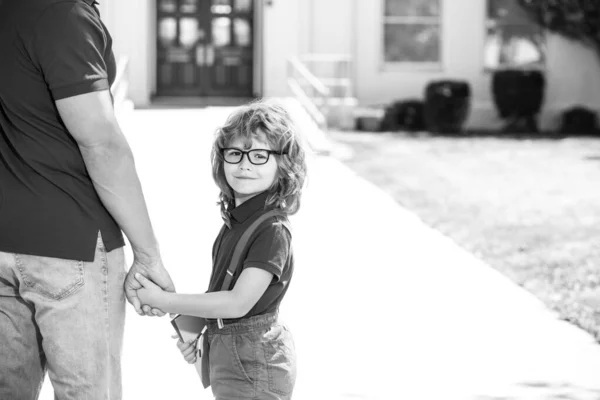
(220, 323)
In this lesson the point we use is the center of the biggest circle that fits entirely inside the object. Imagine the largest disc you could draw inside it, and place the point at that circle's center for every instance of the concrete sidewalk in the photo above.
(381, 306)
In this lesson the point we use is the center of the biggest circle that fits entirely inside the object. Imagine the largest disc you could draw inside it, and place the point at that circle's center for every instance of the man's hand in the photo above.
(156, 272)
(150, 293)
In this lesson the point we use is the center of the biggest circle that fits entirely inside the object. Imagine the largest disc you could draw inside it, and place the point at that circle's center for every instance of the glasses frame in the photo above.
(247, 154)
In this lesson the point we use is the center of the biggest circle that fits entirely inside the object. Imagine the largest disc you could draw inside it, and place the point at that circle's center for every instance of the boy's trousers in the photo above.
(253, 358)
(63, 316)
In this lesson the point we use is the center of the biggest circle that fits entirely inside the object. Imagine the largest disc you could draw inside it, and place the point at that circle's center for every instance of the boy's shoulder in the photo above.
(276, 222)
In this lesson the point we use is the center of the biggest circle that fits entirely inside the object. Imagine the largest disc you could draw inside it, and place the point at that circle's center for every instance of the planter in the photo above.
(518, 97)
(447, 105)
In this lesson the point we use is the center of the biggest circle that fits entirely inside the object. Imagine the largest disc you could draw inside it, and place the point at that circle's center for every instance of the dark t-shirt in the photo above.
(49, 50)
(269, 248)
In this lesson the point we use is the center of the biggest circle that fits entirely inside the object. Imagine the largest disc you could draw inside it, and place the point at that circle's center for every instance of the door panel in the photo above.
(205, 47)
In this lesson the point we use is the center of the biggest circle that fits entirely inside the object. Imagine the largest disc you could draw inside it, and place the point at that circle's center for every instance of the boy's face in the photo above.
(246, 179)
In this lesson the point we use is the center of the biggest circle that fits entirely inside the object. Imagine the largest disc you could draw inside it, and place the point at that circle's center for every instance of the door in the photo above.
(205, 47)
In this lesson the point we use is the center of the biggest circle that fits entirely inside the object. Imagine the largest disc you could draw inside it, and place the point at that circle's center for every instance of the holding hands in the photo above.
(149, 293)
(154, 279)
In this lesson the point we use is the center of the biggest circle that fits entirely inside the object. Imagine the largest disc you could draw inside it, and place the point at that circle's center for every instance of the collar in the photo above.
(91, 2)
(249, 207)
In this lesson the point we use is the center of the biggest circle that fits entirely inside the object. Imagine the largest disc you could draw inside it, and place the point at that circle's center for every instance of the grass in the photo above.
(528, 207)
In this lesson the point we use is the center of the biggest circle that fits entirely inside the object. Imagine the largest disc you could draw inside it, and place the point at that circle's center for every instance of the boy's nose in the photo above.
(245, 163)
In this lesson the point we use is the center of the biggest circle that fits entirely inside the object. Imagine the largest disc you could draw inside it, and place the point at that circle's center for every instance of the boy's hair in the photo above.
(261, 119)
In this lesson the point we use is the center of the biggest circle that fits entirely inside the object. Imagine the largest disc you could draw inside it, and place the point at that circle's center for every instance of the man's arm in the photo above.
(108, 158)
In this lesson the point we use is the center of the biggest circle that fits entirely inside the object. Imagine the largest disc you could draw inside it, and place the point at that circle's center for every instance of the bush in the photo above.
(404, 115)
(579, 120)
(447, 105)
(518, 96)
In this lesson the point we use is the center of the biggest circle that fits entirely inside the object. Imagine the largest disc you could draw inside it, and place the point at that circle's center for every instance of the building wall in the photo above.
(135, 38)
(462, 55)
(327, 26)
(573, 72)
(280, 41)
(294, 27)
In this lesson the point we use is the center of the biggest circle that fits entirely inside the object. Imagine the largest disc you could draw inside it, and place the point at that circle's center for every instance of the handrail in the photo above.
(318, 80)
(298, 74)
(308, 104)
(333, 70)
(306, 74)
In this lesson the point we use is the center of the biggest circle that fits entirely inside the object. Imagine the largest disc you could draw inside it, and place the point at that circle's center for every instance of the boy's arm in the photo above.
(234, 303)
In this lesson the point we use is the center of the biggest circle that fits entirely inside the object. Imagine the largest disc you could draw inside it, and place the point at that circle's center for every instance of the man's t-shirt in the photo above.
(50, 50)
(268, 248)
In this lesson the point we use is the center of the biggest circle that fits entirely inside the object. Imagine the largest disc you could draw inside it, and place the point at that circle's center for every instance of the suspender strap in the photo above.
(241, 245)
(239, 248)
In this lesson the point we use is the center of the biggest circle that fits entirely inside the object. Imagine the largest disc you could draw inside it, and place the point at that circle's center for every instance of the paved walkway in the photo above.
(381, 306)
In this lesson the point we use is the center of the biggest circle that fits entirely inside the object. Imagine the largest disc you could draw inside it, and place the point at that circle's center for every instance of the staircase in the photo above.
(322, 84)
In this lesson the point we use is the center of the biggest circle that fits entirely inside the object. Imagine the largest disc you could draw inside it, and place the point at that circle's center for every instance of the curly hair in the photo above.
(262, 119)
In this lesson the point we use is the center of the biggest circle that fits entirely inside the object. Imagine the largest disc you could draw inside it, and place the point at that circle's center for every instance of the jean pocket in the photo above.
(244, 356)
(232, 366)
(280, 354)
(53, 278)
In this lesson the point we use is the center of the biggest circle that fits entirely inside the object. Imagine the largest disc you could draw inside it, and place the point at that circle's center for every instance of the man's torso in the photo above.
(48, 205)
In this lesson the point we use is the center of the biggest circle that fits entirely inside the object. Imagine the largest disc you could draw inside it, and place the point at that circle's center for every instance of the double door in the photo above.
(205, 47)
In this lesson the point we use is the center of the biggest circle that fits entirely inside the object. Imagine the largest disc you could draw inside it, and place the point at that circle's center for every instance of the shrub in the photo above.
(447, 105)
(404, 115)
(579, 120)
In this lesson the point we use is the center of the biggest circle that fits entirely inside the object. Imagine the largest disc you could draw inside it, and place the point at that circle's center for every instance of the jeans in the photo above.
(65, 317)
(253, 358)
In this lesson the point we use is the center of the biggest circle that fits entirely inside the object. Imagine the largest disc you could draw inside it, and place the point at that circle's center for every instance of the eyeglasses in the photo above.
(256, 156)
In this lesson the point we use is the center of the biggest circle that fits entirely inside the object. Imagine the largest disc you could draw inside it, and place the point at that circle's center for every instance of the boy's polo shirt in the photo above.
(269, 248)
(50, 50)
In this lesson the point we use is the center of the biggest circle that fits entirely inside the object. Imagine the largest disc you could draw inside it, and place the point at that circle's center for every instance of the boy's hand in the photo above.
(188, 350)
(156, 272)
(150, 293)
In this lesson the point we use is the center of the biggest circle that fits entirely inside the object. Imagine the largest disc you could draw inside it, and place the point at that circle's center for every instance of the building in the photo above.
(241, 47)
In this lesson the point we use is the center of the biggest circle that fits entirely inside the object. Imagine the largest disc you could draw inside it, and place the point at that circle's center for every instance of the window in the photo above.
(512, 39)
(411, 31)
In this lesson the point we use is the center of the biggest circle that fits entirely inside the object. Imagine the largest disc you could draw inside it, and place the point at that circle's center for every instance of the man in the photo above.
(68, 186)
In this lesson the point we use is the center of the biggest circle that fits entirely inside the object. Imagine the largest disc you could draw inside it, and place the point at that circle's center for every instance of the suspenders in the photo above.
(239, 248)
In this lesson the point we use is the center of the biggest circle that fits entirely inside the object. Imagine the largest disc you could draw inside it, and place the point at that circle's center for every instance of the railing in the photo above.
(320, 82)
(333, 70)
(306, 87)
(121, 84)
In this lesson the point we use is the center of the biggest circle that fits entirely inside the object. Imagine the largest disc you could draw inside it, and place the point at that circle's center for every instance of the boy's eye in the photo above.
(235, 153)
(260, 155)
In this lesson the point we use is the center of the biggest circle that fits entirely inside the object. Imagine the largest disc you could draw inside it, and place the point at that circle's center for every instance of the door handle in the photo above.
(200, 59)
(210, 55)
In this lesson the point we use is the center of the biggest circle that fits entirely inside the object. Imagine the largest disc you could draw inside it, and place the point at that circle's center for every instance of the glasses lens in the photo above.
(232, 155)
(258, 157)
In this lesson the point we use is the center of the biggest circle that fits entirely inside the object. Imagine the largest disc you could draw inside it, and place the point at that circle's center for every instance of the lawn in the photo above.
(528, 207)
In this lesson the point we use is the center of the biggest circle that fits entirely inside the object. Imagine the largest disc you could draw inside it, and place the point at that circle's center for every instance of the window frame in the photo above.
(426, 66)
(488, 23)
